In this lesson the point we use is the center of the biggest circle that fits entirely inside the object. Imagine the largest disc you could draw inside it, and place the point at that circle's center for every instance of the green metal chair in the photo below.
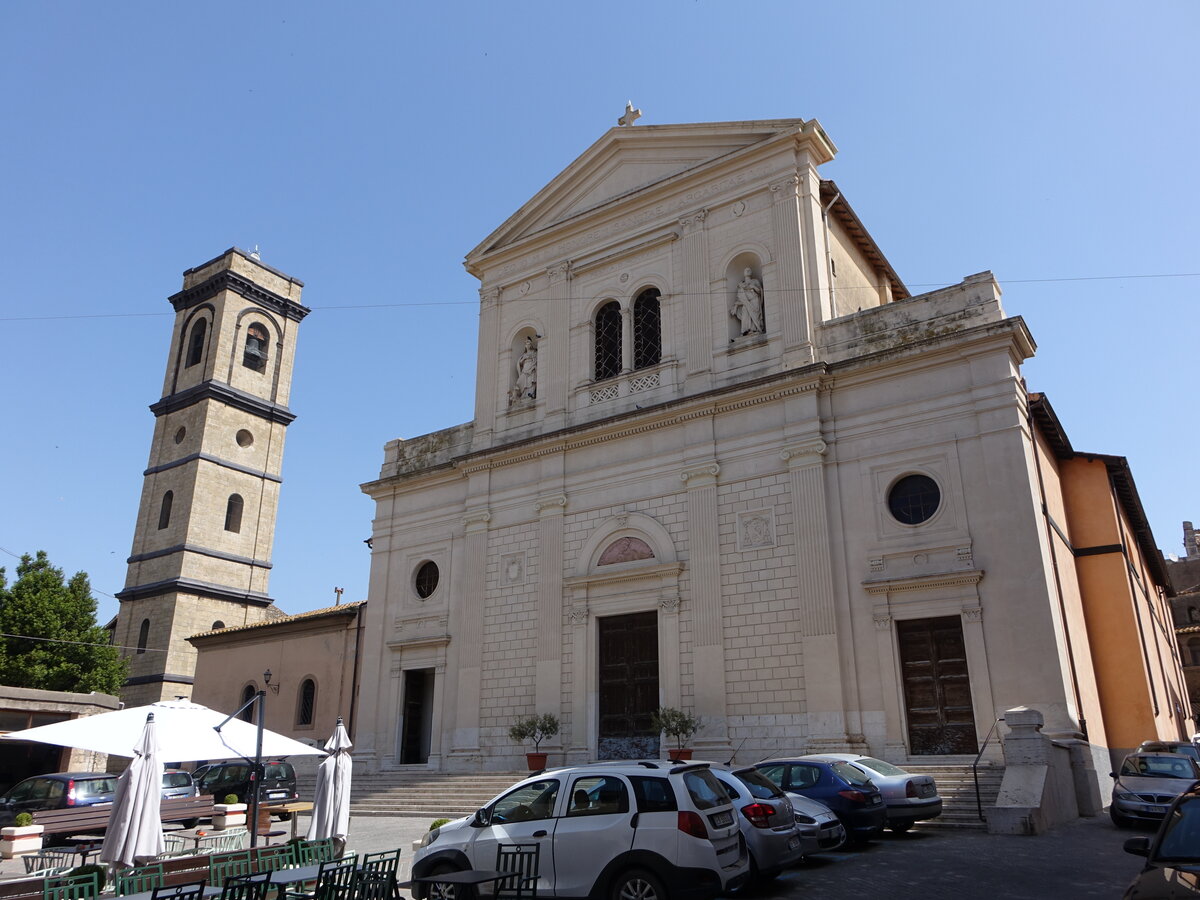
(48, 858)
(138, 879)
(386, 861)
(222, 866)
(224, 841)
(192, 890)
(271, 859)
(72, 887)
(246, 887)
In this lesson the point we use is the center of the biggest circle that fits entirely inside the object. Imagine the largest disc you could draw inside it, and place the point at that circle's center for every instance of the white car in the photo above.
(910, 798)
(630, 830)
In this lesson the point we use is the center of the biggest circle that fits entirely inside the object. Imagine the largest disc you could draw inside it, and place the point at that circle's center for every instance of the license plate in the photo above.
(794, 843)
(277, 795)
(722, 819)
(1157, 810)
(876, 800)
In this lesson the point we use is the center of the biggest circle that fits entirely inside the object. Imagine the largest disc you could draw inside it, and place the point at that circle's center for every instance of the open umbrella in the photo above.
(185, 732)
(331, 803)
(135, 825)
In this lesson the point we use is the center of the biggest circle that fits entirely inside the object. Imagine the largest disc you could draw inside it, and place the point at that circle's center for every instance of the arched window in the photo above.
(247, 693)
(608, 341)
(306, 702)
(217, 624)
(233, 513)
(164, 511)
(647, 330)
(196, 344)
(143, 635)
(255, 356)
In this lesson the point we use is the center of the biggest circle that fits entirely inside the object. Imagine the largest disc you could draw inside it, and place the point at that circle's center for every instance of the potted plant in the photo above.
(21, 837)
(229, 814)
(536, 729)
(678, 725)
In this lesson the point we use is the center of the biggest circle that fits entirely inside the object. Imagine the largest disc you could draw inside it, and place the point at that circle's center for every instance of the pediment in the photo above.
(626, 160)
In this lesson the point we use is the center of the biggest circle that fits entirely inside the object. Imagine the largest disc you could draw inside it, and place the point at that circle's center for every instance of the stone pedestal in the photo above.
(228, 815)
(19, 840)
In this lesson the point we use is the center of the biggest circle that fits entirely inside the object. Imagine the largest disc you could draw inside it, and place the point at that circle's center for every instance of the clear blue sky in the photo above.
(366, 147)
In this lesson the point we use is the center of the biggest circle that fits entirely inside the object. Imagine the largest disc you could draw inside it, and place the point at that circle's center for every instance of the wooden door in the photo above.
(937, 687)
(628, 676)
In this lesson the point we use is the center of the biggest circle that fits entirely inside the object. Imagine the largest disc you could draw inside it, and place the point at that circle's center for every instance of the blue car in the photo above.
(852, 796)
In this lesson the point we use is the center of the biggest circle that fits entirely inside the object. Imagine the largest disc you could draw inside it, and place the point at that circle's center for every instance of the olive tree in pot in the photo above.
(678, 725)
(536, 729)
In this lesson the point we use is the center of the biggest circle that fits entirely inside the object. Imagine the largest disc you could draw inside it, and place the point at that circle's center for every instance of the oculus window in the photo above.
(914, 499)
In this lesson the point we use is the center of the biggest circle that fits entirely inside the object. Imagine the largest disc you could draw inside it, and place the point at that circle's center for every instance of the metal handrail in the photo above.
(975, 766)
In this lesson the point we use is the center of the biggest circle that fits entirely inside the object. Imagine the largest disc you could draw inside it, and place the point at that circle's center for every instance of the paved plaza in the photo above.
(1083, 859)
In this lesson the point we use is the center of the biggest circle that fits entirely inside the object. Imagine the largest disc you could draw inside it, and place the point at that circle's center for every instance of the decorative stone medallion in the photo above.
(512, 569)
(756, 529)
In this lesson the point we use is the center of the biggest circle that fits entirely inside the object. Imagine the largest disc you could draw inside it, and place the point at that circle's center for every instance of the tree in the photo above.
(76, 655)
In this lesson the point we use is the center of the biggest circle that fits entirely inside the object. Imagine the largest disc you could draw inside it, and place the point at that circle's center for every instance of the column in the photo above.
(708, 647)
(578, 748)
(696, 307)
(554, 376)
(549, 683)
(792, 288)
(818, 291)
(486, 363)
(627, 337)
(468, 635)
(815, 617)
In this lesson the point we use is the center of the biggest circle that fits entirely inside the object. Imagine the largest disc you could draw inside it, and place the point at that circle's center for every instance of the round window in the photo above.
(914, 499)
(180, 435)
(244, 438)
(427, 580)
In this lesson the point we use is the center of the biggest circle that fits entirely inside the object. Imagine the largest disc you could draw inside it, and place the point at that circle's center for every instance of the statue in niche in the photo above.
(748, 307)
(525, 387)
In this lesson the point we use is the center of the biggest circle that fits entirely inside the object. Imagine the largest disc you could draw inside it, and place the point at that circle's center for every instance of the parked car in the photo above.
(178, 783)
(768, 823)
(855, 799)
(818, 824)
(1187, 748)
(1146, 784)
(278, 784)
(1172, 856)
(645, 829)
(59, 790)
(909, 798)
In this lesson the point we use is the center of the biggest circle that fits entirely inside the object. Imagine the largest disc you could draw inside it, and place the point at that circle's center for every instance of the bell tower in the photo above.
(201, 554)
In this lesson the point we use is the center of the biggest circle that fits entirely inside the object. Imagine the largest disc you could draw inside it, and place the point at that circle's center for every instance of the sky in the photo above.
(365, 148)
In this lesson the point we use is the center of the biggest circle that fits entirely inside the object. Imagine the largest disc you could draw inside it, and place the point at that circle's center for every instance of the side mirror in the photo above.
(483, 818)
(1112, 774)
(1138, 846)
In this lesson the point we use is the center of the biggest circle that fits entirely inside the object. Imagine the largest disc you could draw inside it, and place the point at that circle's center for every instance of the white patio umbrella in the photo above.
(331, 803)
(135, 824)
(185, 732)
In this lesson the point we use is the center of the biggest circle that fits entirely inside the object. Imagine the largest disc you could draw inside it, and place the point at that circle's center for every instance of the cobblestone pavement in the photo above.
(1079, 860)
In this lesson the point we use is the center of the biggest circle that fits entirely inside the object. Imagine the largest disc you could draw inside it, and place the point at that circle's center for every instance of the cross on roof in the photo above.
(631, 114)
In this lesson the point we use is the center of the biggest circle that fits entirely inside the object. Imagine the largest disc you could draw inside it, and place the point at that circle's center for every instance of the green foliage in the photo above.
(23, 820)
(534, 728)
(41, 604)
(231, 798)
(437, 823)
(101, 873)
(675, 723)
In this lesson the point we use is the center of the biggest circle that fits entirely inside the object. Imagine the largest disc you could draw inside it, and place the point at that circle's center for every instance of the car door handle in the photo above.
(540, 833)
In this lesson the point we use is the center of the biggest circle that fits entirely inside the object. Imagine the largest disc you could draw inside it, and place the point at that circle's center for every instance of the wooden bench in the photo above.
(94, 819)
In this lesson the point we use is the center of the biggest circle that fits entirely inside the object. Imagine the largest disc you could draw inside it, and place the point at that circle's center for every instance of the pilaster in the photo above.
(793, 287)
(697, 306)
(469, 634)
(548, 692)
(486, 366)
(554, 377)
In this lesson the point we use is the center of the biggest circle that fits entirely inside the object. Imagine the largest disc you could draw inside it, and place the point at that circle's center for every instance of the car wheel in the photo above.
(442, 891)
(900, 827)
(1119, 820)
(285, 817)
(637, 884)
(190, 823)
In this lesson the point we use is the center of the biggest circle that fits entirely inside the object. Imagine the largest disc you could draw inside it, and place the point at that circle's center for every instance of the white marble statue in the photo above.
(748, 307)
(525, 387)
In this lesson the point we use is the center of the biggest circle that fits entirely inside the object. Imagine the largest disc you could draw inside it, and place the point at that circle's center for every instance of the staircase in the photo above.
(956, 787)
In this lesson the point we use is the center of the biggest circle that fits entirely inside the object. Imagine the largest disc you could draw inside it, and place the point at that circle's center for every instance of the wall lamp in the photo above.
(267, 681)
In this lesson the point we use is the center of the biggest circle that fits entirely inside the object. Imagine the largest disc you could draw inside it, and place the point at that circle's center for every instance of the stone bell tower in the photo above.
(201, 553)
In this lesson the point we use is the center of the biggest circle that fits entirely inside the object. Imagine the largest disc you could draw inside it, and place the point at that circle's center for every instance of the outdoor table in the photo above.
(295, 875)
(471, 879)
(209, 891)
(86, 849)
(294, 808)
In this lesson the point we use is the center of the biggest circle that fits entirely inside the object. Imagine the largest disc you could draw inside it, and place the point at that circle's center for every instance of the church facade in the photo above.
(722, 460)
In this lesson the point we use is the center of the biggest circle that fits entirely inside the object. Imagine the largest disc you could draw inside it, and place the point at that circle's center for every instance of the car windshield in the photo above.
(278, 770)
(878, 765)
(176, 779)
(1181, 834)
(851, 774)
(759, 786)
(1166, 766)
(706, 791)
(95, 787)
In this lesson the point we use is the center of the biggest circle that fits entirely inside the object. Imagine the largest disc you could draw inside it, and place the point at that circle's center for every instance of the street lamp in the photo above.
(256, 772)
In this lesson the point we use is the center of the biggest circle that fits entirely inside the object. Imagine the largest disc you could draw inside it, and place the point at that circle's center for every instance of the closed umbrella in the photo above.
(331, 804)
(135, 824)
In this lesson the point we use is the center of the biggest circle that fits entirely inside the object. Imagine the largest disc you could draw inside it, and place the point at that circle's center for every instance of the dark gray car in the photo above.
(1147, 783)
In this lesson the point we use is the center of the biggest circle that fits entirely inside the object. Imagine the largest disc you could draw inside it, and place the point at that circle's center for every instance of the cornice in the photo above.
(637, 573)
(190, 586)
(217, 461)
(230, 396)
(201, 551)
(244, 287)
(923, 582)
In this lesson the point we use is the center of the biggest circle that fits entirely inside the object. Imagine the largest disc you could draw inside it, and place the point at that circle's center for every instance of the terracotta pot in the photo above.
(679, 754)
(535, 761)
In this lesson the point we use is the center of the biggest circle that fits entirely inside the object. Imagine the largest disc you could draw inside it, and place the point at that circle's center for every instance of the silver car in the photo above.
(1146, 784)
(820, 828)
(178, 783)
(766, 819)
(910, 798)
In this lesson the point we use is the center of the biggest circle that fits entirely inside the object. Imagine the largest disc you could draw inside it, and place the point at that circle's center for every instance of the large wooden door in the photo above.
(937, 687)
(628, 676)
